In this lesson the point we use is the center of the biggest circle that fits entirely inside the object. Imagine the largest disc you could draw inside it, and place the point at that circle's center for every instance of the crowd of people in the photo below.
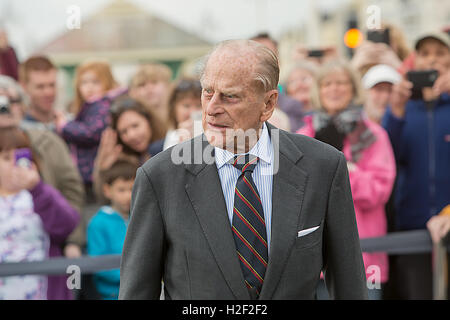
(55, 161)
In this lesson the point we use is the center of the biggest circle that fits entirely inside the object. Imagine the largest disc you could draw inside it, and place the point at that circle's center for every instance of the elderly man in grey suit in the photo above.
(243, 215)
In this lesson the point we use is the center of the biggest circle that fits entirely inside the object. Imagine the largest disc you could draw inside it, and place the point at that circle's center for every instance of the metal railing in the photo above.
(406, 242)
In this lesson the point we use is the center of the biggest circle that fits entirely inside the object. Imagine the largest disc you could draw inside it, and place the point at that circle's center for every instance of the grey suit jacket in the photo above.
(179, 231)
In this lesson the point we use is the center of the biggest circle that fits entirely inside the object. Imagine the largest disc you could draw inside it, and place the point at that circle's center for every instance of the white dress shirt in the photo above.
(262, 176)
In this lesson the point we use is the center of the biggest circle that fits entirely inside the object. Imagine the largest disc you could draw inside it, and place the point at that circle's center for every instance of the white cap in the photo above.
(380, 73)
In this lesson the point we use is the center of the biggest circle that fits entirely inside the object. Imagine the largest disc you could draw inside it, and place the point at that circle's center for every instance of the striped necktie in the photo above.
(249, 227)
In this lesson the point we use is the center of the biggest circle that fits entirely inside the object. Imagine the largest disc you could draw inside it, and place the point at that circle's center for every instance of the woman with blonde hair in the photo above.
(95, 90)
(339, 121)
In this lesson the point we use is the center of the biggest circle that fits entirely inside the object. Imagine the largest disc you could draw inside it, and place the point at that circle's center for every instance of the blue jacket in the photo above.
(105, 235)
(421, 143)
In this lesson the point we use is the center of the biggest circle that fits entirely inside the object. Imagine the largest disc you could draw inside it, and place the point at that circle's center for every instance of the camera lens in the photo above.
(4, 105)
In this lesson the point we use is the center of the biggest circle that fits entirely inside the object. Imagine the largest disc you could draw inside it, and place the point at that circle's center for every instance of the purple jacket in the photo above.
(59, 220)
(83, 134)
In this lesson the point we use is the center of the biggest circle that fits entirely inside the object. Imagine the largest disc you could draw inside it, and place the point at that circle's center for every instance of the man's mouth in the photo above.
(216, 126)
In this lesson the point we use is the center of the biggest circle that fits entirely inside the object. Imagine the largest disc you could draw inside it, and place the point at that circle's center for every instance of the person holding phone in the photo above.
(386, 45)
(56, 168)
(419, 129)
(35, 218)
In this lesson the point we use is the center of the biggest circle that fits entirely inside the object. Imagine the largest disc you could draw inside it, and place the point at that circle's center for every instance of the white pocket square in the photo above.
(304, 232)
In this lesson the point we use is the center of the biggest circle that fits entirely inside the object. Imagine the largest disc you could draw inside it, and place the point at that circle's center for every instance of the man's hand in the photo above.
(442, 84)
(401, 92)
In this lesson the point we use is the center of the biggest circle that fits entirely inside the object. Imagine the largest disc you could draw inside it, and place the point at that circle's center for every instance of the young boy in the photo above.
(107, 229)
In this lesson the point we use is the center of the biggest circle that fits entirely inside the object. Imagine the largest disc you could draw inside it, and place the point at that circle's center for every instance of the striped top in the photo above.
(262, 176)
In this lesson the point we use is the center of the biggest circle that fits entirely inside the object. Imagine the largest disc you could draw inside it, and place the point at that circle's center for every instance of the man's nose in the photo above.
(49, 90)
(213, 106)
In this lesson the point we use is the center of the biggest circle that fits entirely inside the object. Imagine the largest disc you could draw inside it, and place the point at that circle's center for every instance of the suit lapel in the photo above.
(206, 195)
(289, 184)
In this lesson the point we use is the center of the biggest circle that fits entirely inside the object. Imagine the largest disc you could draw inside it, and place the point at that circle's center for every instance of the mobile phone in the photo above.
(316, 53)
(23, 157)
(379, 36)
(420, 80)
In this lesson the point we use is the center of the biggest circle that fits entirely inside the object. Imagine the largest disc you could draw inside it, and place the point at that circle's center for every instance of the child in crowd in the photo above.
(150, 86)
(95, 89)
(35, 219)
(107, 229)
(184, 108)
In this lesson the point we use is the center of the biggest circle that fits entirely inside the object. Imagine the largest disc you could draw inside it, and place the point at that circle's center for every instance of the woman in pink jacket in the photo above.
(340, 122)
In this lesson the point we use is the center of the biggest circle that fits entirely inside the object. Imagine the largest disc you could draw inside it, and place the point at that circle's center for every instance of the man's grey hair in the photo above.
(266, 73)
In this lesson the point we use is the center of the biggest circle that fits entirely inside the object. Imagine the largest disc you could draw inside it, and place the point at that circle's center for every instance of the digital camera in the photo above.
(4, 104)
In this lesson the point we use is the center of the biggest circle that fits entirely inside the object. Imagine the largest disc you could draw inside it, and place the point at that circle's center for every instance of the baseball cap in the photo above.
(437, 35)
(380, 73)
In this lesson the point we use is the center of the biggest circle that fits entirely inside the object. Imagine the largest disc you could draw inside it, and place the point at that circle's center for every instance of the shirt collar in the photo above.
(262, 149)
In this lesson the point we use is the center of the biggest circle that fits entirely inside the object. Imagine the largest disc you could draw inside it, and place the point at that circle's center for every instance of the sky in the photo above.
(32, 23)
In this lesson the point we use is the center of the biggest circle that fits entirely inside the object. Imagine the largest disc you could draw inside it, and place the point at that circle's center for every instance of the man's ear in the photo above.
(270, 102)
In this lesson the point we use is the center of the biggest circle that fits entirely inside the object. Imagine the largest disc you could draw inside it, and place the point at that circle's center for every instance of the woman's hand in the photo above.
(18, 178)
(108, 150)
(300, 53)
(370, 53)
(438, 226)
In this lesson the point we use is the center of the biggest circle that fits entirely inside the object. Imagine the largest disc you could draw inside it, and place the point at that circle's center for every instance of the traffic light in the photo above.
(353, 37)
